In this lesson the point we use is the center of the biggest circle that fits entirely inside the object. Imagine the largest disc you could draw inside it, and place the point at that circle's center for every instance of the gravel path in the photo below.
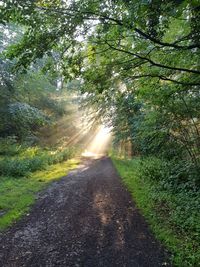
(86, 219)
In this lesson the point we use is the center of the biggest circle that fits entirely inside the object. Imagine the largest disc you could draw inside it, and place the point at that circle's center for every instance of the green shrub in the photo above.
(9, 146)
(38, 163)
(14, 167)
(25, 119)
(62, 155)
(184, 175)
(174, 174)
(32, 159)
(178, 179)
(153, 168)
(20, 167)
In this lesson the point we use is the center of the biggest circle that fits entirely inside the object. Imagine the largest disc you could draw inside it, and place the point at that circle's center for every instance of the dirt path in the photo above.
(86, 219)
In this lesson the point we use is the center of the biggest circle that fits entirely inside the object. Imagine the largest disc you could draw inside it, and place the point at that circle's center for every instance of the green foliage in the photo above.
(9, 146)
(29, 99)
(25, 118)
(138, 66)
(154, 168)
(61, 156)
(14, 167)
(17, 195)
(172, 212)
(21, 160)
(172, 174)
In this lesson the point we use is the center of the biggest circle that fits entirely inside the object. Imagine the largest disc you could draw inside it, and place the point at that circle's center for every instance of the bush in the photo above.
(24, 119)
(175, 183)
(14, 167)
(153, 168)
(62, 155)
(185, 175)
(31, 160)
(38, 163)
(9, 146)
(172, 174)
(20, 167)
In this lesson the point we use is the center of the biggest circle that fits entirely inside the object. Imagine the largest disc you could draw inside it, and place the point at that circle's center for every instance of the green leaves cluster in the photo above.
(22, 160)
(138, 63)
(27, 98)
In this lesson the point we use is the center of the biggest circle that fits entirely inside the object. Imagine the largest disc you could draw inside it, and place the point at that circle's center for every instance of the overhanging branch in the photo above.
(151, 61)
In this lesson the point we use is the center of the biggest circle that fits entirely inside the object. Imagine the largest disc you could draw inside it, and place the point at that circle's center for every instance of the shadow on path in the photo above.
(86, 219)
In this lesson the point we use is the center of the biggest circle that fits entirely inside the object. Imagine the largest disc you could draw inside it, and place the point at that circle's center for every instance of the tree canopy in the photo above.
(137, 61)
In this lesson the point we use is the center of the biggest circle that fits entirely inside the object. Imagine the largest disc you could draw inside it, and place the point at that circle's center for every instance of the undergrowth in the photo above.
(22, 161)
(171, 208)
(26, 170)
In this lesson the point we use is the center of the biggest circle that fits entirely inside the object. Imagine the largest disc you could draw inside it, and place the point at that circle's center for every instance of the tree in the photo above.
(151, 48)
(27, 99)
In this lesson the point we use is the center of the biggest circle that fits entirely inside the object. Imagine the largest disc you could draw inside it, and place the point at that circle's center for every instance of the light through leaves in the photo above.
(99, 144)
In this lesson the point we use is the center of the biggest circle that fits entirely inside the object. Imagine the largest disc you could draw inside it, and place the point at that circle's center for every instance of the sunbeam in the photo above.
(99, 144)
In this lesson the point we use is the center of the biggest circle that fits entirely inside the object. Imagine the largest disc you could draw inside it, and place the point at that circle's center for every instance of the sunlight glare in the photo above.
(99, 144)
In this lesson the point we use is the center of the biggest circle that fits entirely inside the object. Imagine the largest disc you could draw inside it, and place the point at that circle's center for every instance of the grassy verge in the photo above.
(18, 193)
(172, 216)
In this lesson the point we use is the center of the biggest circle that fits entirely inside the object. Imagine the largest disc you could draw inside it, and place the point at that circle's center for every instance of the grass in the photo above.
(173, 217)
(17, 194)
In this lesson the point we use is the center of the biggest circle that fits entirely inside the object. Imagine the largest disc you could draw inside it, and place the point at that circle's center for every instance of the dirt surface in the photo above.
(85, 219)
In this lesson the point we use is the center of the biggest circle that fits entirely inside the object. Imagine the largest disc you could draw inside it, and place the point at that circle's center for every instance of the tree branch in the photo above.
(165, 79)
(174, 45)
(152, 62)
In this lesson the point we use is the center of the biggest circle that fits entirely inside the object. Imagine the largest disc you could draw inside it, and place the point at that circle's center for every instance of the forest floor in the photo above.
(85, 219)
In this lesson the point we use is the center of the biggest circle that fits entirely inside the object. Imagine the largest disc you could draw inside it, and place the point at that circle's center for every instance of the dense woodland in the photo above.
(135, 64)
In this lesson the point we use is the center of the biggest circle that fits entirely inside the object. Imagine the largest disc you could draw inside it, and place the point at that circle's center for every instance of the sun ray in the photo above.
(99, 144)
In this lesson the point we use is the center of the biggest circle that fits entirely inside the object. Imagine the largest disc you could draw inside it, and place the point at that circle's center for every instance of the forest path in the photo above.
(86, 219)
